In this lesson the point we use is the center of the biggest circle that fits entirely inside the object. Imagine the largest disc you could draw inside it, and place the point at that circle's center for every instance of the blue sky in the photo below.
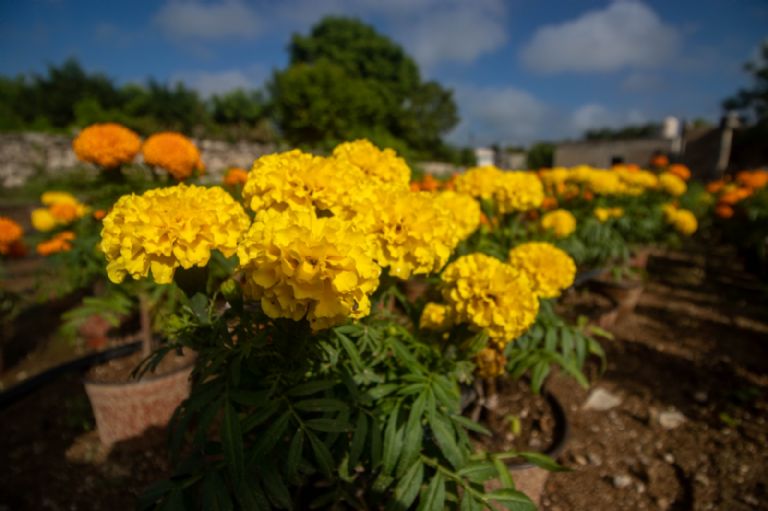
(521, 70)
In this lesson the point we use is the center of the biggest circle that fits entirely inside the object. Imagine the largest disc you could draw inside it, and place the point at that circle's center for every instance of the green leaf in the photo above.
(358, 440)
(412, 438)
(322, 454)
(503, 472)
(270, 437)
(313, 387)
(538, 374)
(328, 425)
(543, 461)
(507, 496)
(550, 339)
(276, 490)
(479, 471)
(351, 350)
(469, 503)
(408, 487)
(445, 439)
(435, 495)
(294, 454)
(392, 441)
(232, 442)
(148, 499)
(215, 495)
(198, 304)
(321, 405)
(379, 391)
(174, 501)
(471, 425)
(249, 397)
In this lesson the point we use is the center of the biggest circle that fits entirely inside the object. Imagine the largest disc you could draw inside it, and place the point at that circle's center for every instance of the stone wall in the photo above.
(23, 155)
(599, 153)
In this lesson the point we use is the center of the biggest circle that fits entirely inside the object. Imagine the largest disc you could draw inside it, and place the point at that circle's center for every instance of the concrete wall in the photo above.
(27, 154)
(599, 153)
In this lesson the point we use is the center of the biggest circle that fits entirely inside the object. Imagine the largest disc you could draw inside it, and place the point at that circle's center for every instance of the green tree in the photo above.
(753, 101)
(238, 107)
(346, 80)
(541, 155)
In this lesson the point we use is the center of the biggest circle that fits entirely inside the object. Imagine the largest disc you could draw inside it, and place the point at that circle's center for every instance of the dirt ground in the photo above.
(681, 423)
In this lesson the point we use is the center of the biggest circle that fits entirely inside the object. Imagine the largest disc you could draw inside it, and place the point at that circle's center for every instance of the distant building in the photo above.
(485, 156)
(504, 159)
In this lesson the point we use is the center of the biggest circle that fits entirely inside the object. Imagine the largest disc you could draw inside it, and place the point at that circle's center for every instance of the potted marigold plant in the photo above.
(313, 384)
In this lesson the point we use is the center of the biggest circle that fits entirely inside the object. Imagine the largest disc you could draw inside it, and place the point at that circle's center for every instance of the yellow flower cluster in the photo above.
(479, 182)
(490, 295)
(518, 191)
(170, 227)
(490, 363)
(561, 222)
(436, 316)
(299, 266)
(10, 233)
(672, 184)
(603, 214)
(549, 268)
(682, 220)
(617, 181)
(107, 145)
(464, 210)
(62, 208)
(381, 166)
(173, 152)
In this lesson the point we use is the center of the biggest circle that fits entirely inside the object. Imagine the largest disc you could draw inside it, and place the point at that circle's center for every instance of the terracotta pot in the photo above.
(126, 410)
(529, 478)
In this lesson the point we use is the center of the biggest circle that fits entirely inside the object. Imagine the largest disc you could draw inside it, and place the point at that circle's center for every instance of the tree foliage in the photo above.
(345, 80)
(753, 101)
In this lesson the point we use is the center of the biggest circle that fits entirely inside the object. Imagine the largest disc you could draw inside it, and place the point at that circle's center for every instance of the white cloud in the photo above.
(505, 115)
(626, 34)
(193, 19)
(208, 83)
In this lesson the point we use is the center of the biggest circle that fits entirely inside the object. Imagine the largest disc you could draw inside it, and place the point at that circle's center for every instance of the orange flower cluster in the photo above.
(59, 243)
(10, 237)
(235, 177)
(680, 171)
(730, 192)
(429, 184)
(173, 152)
(107, 145)
(659, 161)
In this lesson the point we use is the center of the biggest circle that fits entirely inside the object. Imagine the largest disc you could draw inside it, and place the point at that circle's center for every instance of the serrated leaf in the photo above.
(392, 441)
(479, 471)
(232, 442)
(507, 496)
(358, 440)
(260, 416)
(351, 350)
(322, 454)
(543, 461)
(321, 405)
(538, 374)
(434, 498)
(294, 454)
(468, 503)
(408, 487)
(412, 437)
(471, 425)
(503, 472)
(271, 436)
(313, 387)
(328, 425)
(379, 391)
(276, 490)
(443, 433)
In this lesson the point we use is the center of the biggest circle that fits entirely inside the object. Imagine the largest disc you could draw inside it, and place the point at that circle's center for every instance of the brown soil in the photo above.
(697, 344)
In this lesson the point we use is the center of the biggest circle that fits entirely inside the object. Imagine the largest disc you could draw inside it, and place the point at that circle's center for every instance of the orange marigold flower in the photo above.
(724, 210)
(659, 160)
(235, 176)
(588, 195)
(753, 179)
(107, 145)
(10, 234)
(64, 212)
(680, 171)
(549, 203)
(173, 152)
(99, 214)
(415, 186)
(430, 184)
(59, 243)
(735, 195)
(715, 186)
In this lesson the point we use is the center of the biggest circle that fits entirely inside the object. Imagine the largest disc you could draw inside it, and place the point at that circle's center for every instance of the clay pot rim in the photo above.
(143, 379)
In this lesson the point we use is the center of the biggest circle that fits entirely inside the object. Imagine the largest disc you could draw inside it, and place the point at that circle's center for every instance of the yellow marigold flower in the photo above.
(549, 268)
(107, 145)
(299, 266)
(413, 234)
(560, 221)
(479, 182)
(55, 197)
(682, 220)
(465, 212)
(170, 227)
(173, 152)
(672, 184)
(491, 296)
(235, 176)
(518, 191)
(603, 214)
(490, 363)
(383, 166)
(10, 233)
(435, 316)
(59, 243)
(43, 220)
